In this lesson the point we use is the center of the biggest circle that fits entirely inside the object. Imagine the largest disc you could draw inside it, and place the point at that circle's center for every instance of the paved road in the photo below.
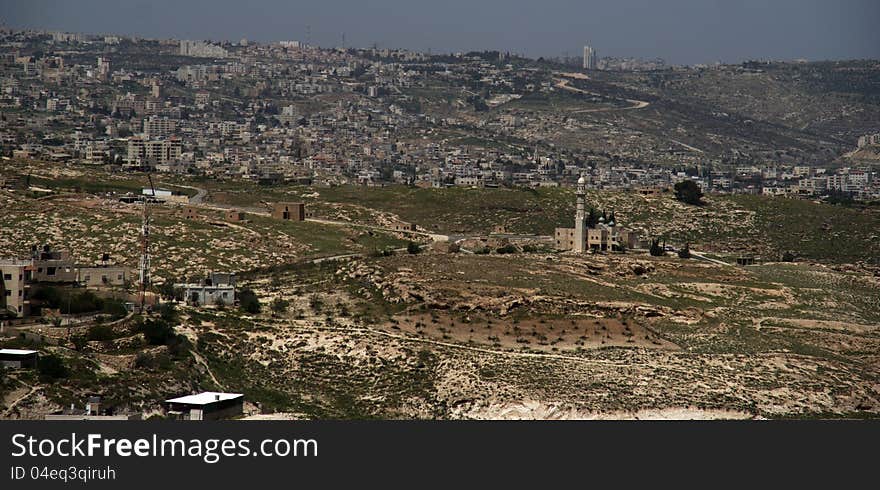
(200, 193)
(198, 200)
(689, 147)
(436, 237)
(714, 261)
(563, 84)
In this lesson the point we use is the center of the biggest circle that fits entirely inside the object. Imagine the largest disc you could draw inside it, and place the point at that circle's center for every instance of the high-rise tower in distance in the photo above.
(590, 58)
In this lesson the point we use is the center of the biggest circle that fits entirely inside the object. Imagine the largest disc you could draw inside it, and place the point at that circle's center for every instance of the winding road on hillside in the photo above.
(563, 84)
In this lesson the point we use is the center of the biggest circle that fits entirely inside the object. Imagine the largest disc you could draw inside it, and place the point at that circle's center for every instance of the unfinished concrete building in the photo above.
(215, 289)
(190, 213)
(289, 211)
(398, 225)
(14, 287)
(19, 279)
(234, 216)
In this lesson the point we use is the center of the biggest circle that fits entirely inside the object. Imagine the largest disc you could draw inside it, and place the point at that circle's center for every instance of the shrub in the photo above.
(656, 249)
(179, 346)
(248, 301)
(83, 302)
(315, 302)
(507, 249)
(115, 308)
(167, 290)
(156, 331)
(70, 302)
(168, 312)
(413, 248)
(685, 253)
(144, 361)
(280, 305)
(51, 367)
(688, 192)
(49, 295)
(79, 342)
(101, 333)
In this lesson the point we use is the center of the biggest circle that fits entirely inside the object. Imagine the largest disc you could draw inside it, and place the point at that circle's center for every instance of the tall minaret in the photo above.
(580, 218)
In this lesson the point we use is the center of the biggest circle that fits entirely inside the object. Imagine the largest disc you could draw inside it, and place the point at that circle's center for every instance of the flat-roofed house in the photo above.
(103, 276)
(208, 405)
(216, 288)
(18, 358)
(203, 294)
(398, 225)
(94, 410)
(53, 266)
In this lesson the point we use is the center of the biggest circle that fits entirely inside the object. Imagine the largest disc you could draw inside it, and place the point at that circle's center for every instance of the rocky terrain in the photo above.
(448, 333)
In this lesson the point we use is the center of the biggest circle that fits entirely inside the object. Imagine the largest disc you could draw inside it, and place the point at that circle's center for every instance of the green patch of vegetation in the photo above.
(814, 230)
(51, 368)
(78, 302)
(248, 301)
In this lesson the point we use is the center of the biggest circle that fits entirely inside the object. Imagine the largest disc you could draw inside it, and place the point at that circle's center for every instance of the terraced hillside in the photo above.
(512, 336)
(517, 332)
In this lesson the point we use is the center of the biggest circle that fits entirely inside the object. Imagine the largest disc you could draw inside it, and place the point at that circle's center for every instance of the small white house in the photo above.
(207, 405)
(18, 358)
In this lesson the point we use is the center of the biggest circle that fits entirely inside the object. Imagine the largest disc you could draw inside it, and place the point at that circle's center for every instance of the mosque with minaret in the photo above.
(593, 232)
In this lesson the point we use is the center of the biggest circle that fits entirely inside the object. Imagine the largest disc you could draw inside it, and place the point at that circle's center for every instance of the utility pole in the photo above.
(145, 248)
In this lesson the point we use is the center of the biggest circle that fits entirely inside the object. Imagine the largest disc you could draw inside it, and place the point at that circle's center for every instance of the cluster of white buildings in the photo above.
(201, 49)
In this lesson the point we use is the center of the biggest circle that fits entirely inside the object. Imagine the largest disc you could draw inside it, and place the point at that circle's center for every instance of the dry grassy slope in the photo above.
(839, 100)
(736, 224)
(88, 227)
(776, 340)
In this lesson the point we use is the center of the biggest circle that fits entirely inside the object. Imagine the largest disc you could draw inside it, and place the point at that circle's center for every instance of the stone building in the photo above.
(234, 216)
(190, 213)
(598, 237)
(293, 211)
(398, 225)
(51, 268)
(103, 276)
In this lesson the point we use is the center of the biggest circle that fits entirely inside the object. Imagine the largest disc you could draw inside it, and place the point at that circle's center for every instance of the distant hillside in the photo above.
(839, 100)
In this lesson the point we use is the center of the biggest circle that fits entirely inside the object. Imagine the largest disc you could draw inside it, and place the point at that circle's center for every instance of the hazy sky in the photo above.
(680, 31)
